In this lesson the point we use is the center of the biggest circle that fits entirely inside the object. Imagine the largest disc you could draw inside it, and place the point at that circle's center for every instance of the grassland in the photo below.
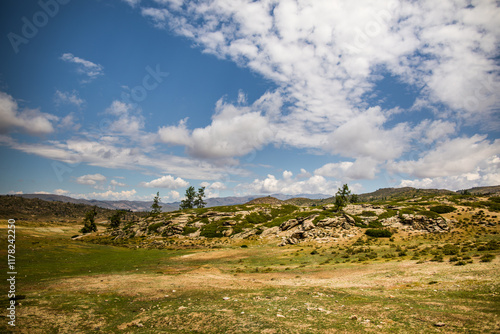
(412, 283)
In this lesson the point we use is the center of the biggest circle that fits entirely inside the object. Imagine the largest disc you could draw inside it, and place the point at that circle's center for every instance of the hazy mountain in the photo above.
(384, 193)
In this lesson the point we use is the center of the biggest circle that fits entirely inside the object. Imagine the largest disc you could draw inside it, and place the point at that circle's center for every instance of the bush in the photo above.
(154, 227)
(449, 249)
(378, 233)
(212, 230)
(368, 214)
(189, 230)
(487, 258)
(442, 209)
(257, 218)
(388, 214)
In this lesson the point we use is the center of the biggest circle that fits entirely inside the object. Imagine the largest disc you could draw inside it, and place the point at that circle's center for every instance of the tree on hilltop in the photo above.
(342, 197)
(199, 202)
(156, 207)
(193, 198)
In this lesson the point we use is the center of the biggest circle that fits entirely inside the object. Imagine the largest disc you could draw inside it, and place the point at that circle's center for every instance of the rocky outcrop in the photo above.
(418, 223)
(300, 229)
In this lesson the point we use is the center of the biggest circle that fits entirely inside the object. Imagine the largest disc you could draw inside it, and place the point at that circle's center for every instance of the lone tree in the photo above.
(342, 197)
(156, 207)
(193, 198)
(116, 219)
(199, 202)
(89, 221)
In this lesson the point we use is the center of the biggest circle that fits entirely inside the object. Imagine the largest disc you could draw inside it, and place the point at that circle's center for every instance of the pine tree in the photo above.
(199, 202)
(342, 197)
(156, 207)
(188, 202)
(89, 221)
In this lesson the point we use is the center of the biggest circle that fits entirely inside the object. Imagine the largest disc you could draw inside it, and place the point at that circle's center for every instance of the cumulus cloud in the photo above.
(128, 121)
(327, 57)
(234, 131)
(315, 184)
(85, 67)
(362, 168)
(114, 184)
(485, 173)
(111, 195)
(95, 180)
(30, 121)
(450, 158)
(68, 98)
(166, 181)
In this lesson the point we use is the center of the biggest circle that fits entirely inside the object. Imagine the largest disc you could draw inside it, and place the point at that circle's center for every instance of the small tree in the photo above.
(89, 221)
(199, 202)
(342, 197)
(188, 202)
(156, 207)
(354, 198)
(116, 219)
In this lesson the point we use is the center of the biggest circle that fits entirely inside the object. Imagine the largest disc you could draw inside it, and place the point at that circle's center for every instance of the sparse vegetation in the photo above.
(378, 233)
(157, 281)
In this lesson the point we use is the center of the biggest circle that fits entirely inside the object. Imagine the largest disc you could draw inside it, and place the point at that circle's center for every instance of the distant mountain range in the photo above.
(304, 199)
(146, 205)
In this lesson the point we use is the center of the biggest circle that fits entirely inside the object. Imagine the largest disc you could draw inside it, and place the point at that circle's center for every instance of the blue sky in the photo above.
(119, 99)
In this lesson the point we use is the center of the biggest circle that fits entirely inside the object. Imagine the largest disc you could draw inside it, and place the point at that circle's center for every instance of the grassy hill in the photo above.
(34, 209)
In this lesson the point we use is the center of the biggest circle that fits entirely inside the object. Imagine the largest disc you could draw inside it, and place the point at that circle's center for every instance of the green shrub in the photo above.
(388, 214)
(257, 218)
(212, 230)
(449, 249)
(378, 233)
(442, 209)
(368, 214)
(430, 214)
(375, 224)
(487, 258)
(154, 227)
(189, 230)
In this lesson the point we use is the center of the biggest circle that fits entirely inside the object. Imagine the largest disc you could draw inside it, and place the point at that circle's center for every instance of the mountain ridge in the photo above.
(301, 199)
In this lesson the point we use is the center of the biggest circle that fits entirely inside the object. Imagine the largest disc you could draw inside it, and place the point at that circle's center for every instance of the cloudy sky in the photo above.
(119, 99)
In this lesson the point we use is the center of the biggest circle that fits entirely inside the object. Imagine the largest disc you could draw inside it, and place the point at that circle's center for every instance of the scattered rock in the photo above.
(439, 324)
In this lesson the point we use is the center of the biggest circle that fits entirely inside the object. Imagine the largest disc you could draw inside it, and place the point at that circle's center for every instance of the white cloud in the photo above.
(485, 174)
(68, 98)
(128, 122)
(114, 183)
(315, 184)
(85, 67)
(174, 195)
(28, 120)
(12, 192)
(95, 180)
(166, 181)
(110, 195)
(326, 56)
(450, 158)
(234, 131)
(61, 192)
(362, 168)
(132, 3)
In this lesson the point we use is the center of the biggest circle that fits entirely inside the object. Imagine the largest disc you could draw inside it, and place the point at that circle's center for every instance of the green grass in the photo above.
(316, 287)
